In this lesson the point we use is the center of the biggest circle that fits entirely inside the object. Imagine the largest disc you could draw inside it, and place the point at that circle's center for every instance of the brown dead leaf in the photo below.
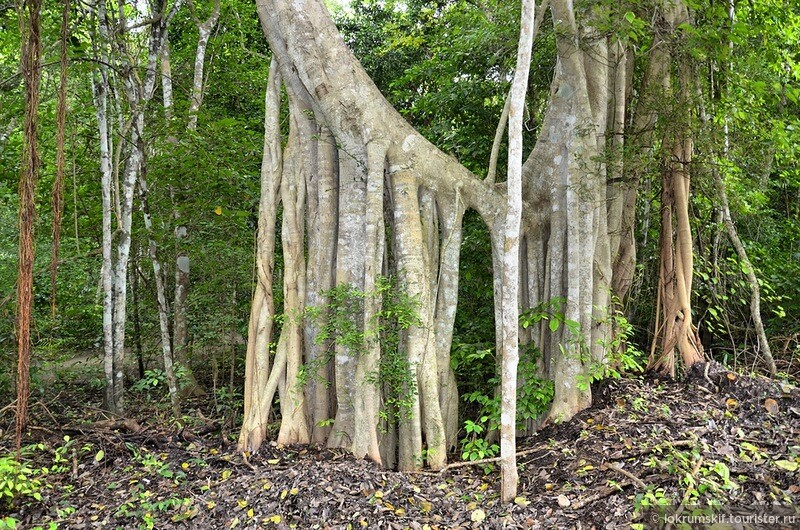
(771, 405)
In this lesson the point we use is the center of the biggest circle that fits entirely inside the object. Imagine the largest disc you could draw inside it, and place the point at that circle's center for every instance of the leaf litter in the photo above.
(716, 437)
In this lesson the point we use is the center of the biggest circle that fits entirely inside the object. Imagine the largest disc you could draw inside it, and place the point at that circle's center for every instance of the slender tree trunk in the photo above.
(294, 424)
(31, 52)
(161, 300)
(137, 327)
(100, 90)
(446, 297)
(755, 295)
(511, 258)
(182, 263)
(138, 92)
(365, 439)
(204, 30)
(322, 227)
(257, 400)
(58, 185)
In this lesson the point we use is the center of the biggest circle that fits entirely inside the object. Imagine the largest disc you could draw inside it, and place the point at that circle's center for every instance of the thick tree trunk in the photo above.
(424, 416)
(567, 251)
(349, 272)
(624, 181)
(677, 332)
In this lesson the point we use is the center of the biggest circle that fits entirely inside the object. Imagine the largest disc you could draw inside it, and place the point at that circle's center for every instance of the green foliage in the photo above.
(701, 482)
(534, 396)
(551, 311)
(621, 356)
(342, 323)
(17, 480)
(434, 59)
(145, 509)
(155, 380)
(474, 447)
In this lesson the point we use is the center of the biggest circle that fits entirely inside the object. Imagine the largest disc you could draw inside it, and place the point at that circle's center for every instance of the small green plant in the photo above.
(534, 394)
(157, 379)
(227, 401)
(621, 356)
(475, 446)
(152, 379)
(326, 423)
(144, 507)
(651, 498)
(17, 480)
(8, 522)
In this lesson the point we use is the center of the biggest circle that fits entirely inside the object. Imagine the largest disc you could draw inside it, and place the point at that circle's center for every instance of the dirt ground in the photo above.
(716, 438)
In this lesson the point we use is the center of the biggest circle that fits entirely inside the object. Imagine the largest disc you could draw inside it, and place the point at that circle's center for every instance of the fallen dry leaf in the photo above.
(771, 405)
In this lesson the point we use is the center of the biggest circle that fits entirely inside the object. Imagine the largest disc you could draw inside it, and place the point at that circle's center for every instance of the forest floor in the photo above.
(717, 438)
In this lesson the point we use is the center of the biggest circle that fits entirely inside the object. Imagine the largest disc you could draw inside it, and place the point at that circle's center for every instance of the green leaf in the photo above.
(99, 456)
(788, 465)
(553, 325)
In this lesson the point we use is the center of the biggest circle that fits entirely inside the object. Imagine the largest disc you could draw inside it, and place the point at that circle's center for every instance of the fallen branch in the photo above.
(607, 492)
(639, 482)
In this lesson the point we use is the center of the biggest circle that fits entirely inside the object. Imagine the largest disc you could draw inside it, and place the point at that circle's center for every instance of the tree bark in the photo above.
(511, 259)
(161, 300)
(365, 436)
(61, 161)
(31, 53)
(322, 234)
(257, 400)
(294, 424)
(424, 415)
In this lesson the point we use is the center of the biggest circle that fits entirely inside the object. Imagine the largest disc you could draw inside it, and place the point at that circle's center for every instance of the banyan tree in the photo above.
(359, 195)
